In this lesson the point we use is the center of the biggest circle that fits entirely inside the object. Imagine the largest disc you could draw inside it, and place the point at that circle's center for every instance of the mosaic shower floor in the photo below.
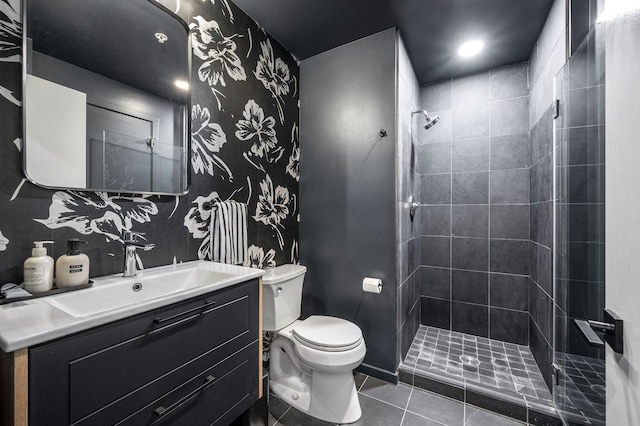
(581, 397)
(499, 368)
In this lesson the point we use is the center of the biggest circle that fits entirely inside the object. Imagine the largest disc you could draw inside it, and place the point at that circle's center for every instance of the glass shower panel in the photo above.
(579, 388)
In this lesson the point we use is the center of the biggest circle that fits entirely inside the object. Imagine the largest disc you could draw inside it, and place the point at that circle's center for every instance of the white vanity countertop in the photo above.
(31, 322)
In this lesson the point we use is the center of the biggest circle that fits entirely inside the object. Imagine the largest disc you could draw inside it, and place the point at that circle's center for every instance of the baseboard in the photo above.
(379, 373)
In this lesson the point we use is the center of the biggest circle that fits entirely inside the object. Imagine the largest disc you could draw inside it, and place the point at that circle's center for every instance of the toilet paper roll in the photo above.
(372, 285)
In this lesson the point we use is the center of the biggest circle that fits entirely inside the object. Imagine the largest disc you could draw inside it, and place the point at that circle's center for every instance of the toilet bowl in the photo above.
(311, 360)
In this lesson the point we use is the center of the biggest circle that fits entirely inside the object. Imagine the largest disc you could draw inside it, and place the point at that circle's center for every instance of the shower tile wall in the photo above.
(474, 226)
(547, 58)
(408, 180)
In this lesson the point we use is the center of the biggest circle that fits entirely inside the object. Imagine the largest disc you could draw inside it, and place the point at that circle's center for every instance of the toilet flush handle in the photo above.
(277, 291)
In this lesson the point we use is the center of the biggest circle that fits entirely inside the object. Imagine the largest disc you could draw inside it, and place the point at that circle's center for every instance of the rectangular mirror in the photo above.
(106, 96)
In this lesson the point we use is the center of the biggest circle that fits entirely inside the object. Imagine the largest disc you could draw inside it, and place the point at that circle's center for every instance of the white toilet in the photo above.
(311, 360)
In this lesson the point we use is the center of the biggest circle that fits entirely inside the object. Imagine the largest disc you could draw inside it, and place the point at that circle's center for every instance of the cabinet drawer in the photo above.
(216, 396)
(81, 377)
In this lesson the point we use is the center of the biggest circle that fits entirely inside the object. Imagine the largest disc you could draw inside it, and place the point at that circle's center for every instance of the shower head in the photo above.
(431, 120)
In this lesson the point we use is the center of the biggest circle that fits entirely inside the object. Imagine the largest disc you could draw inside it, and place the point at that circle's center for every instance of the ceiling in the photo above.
(431, 29)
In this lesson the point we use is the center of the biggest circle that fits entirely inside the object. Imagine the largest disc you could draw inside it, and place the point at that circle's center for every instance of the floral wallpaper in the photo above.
(244, 147)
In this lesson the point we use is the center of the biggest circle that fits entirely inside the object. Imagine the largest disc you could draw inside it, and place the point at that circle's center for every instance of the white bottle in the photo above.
(38, 269)
(72, 268)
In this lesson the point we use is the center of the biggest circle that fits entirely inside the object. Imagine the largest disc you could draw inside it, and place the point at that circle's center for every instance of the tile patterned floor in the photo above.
(500, 367)
(582, 396)
(384, 404)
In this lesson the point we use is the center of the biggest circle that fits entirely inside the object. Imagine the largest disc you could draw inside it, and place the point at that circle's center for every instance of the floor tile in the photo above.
(477, 417)
(277, 408)
(397, 395)
(411, 419)
(378, 413)
(436, 407)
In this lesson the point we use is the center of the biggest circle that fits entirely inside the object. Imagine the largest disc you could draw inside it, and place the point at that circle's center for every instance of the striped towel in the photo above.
(229, 231)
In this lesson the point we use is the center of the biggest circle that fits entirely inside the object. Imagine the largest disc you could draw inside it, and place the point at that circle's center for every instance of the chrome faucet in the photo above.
(131, 243)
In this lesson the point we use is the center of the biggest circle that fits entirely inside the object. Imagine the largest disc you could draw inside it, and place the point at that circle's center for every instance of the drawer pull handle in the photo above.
(161, 411)
(206, 304)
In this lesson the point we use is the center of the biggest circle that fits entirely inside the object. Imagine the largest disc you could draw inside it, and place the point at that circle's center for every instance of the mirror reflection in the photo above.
(106, 96)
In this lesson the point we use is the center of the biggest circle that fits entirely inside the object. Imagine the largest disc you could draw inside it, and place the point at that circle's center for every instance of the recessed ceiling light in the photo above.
(182, 84)
(471, 48)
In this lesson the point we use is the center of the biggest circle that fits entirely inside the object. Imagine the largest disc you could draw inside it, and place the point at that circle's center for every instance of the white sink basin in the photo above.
(111, 293)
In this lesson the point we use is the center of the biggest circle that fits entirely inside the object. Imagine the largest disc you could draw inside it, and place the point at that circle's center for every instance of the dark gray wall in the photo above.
(547, 59)
(474, 244)
(408, 181)
(347, 186)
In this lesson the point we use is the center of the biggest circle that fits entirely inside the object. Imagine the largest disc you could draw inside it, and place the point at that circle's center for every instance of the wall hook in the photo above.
(382, 133)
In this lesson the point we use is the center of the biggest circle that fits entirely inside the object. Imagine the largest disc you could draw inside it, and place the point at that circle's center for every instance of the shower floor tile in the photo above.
(500, 370)
(581, 396)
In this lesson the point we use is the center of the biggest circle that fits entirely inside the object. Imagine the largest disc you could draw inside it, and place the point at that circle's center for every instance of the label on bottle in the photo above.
(33, 275)
(75, 268)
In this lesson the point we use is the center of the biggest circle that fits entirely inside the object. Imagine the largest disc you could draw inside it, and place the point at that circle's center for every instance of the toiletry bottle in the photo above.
(72, 268)
(38, 269)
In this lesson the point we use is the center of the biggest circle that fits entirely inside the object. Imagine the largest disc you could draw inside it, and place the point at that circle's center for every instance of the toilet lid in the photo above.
(328, 333)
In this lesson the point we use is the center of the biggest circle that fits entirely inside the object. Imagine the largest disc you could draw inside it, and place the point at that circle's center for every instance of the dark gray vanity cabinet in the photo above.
(191, 363)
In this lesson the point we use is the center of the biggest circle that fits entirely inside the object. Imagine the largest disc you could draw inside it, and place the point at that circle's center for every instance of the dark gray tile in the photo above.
(359, 379)
(470, 188)
(585, 222)
(510, 151)
(477, 417)
(436, 96)
(435, 220)
(436, 312)
(510, 256)
(436, 407)
(411, 419)
(435, 282)
(471, 319)
(470, 155)
(469, 286)
(509, 291)
(435, 189)
(471, 122)
(378, 413)
(510, 82)
(509, 117)
(435, 251)
(510, 221)
(509, 186)
(585, 145)
(538, 418)
(470, 221)
(397, 395)
(586, 184)
(470, 253)
(434, 158)
(277, 407)
(439, 387)
(545, 269)
(510, 409)
(509, 326)
(586, 261)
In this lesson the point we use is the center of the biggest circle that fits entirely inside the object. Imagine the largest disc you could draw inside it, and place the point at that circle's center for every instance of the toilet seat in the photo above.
(328, 334)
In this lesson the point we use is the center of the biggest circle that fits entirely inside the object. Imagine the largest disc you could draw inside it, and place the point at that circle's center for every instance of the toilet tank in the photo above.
(281, 296)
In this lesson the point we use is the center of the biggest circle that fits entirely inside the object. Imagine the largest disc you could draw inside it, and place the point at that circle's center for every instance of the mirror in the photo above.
(106, 96)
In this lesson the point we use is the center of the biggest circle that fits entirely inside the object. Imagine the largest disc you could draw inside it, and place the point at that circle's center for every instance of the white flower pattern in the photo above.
(256, 258)
(99, 212)
(274, 75)
(206, 139)
(4, 241)
(293, 168)
(273, 207)
(218, 53)
(259, 128)
(197, 222)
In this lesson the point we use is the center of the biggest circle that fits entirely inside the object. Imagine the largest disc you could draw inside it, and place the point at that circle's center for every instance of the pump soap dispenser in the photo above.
(72, 268)
(38, 269)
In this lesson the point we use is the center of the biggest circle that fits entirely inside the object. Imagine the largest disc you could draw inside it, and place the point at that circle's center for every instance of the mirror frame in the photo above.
(187, 121)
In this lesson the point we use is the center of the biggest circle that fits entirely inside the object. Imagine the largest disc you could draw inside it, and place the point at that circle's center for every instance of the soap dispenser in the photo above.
(72, 268)
(38, 269)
